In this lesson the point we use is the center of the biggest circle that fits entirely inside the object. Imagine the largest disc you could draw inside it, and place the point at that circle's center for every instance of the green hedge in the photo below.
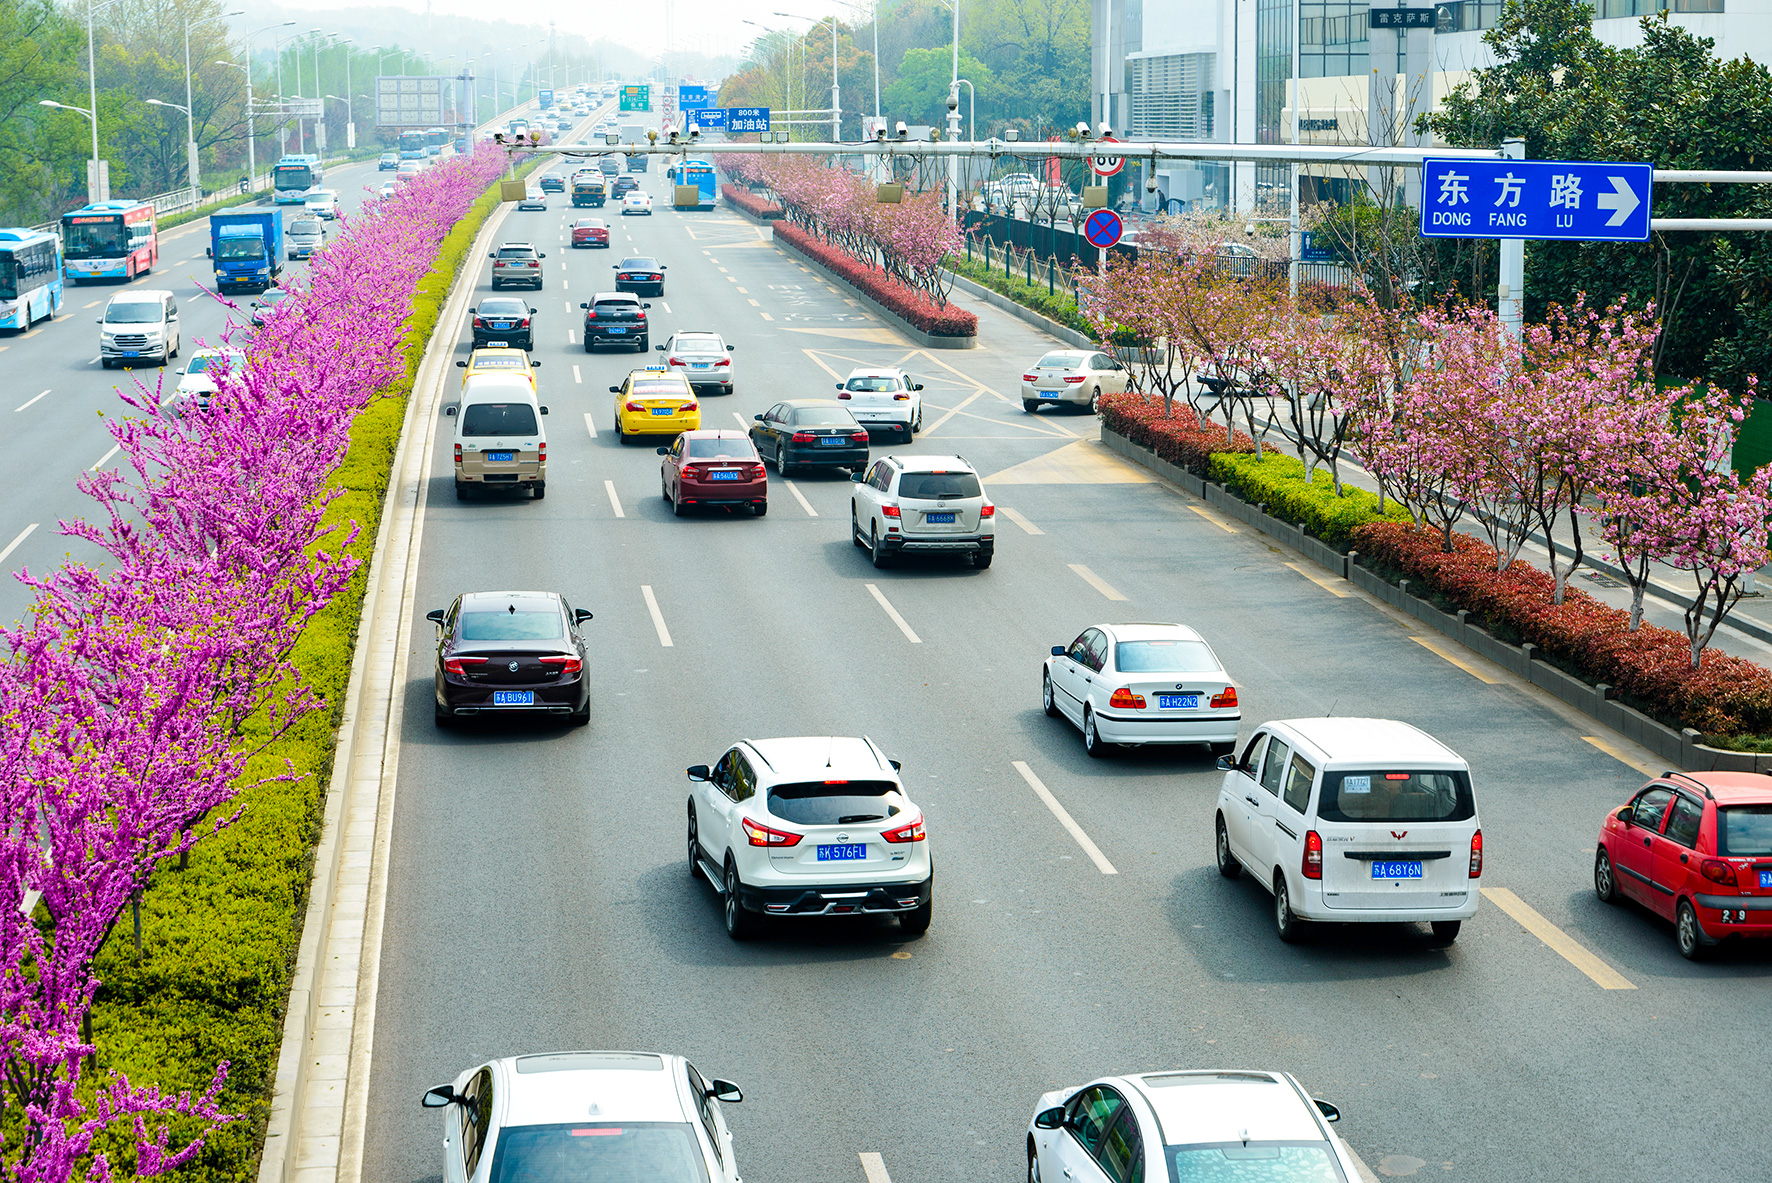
(220, 936)
(1276, 480)
(1060, 308)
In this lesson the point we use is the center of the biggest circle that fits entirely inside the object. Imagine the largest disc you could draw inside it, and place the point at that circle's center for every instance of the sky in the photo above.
(708, 26)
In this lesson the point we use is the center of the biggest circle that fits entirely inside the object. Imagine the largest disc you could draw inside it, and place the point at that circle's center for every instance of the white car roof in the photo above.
(145, 296)
(1368, 741)
(604, 1086)
(819, 756)
(933, 464)
(1218, 1106)
(876, 372)
(1149, 631)
(497, 385)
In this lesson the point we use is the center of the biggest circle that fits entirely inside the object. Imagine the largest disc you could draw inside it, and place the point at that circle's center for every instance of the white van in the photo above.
(500, 441)
(1362, 821)
(139, 327)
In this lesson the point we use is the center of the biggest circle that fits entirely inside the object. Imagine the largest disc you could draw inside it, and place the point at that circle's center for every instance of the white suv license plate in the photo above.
(513, 698)
(939, 519)
(1396, 869)
(1178, 702)
(841, 852)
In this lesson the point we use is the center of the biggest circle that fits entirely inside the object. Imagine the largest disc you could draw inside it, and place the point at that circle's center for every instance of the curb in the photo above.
(1680, 748)
(899, 324)
(1022, 312)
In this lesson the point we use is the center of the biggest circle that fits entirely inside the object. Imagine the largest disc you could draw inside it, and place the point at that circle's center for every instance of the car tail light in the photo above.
(860, 437)
(757, 473)
(1313, 855)
(641, 315)
(890, 511)
(590, 316)
(1030, 377)
(1227, 699)
(725, 361)
(1718, 871)
(455, 665)
(542, 452)
(532, 263)
(674, 361)
(901, 398)
(987, 511)
(843, 394)
(458, 453)
(568, 665)
(1477, 855)
(686, 408)
(803, 437)
(762, 835)
(1125, 699)
(1078, 378)
(635, 407)
(909, 832)
(479, 322)
(524, 323)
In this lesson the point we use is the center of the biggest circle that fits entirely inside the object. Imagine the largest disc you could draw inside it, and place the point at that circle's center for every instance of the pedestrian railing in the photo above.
(1026, 265)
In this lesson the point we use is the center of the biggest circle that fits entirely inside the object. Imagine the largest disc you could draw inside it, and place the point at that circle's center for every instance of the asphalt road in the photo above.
(538, 898)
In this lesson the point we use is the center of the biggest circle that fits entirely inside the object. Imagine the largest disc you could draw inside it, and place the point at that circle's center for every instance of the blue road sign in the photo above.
(1581, 200)
(1102, 228)
(747, 119)
(709, 118)
(1311, 251)
(691, 97)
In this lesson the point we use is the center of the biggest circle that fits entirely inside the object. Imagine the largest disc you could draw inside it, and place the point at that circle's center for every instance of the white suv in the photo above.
(884, 399)
(922, 504)
(811, 826)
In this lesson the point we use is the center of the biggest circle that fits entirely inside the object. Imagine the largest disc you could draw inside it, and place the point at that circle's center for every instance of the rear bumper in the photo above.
(724, 493)
(605, 337)
(1152, 727)
(1311, 904)
(941, 543)
(515, 339)
(1750, 916)
(853, 456)
(835, 899)
(884, 420)
(1076, 394)
(453, 699)
(655, 288)
(632, 424)
(511, 474)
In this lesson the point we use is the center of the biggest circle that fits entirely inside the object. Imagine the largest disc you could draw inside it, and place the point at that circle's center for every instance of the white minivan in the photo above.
(1361, 821)
(137, 327)
(500, 441)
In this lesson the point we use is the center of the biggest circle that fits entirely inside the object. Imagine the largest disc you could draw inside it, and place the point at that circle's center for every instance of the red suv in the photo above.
(713, 468)
(1694, 848)
(590, 232)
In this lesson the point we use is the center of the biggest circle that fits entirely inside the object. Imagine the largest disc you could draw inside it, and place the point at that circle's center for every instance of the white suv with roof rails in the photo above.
(586, 1115)
(809, 826)
(884, 399)
(922, 504)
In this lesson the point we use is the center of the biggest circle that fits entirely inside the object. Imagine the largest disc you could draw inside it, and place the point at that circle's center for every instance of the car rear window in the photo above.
(656, 1151)
(516, 252)
(658, 390)
(1060, 361)
(707, 449)
(1392, 795)
(511, 623)
(1164, 657)
(639, 264)
(835, 803)
(872, 384)
(503, 307)
(824, 417)
(1744, 829)
(616, 307)
(699, 345)
(938, 486)
(203, 362)
(1253, 1162)
(498, 419)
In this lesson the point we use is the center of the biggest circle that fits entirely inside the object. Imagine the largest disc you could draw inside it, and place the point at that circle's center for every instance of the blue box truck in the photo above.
(247, 246)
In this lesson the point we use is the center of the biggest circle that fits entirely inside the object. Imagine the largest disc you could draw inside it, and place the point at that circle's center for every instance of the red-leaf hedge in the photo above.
(750, 203)
(898, 298)
(1179, 438)
(1726, 697)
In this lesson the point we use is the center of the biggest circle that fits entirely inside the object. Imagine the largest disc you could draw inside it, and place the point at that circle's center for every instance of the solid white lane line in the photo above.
(798, 496)
(13, 545)
(664, 634)
(904, 628)
(1097, 582)
(577, 378)
(614, 501)
(115, 448)
(874, 1167)
(1065, 819)
(1027, 526)
(20, 408)
(590, 425)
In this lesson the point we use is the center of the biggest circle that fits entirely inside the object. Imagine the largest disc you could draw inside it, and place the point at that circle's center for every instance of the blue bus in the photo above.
(294, 176)
(30, 277)
(699, 173)
(435, 138)
(412, 145)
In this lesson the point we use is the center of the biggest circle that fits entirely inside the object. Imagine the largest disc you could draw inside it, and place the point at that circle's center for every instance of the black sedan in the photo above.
(810, 432)
(553, 184)
(640, 275)
(501, 320)
(510, 652)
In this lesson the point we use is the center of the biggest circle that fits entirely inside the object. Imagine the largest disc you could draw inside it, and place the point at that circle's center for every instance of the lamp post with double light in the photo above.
(98, 180)
(836, 93)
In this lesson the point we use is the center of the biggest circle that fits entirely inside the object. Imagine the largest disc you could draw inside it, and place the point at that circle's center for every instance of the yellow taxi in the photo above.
(498, 361)
(654, 401)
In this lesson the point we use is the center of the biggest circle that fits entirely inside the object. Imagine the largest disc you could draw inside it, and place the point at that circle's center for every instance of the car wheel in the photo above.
(588, 344)
(1286, 922)
(1228, 866)
(876, 552)
(582, 716)
(694, 846)
(741, 925)
(1605, 885)
(1047, 702)
(1030, 405)
(540, 490)
(1033, 1164)
(678, 508)
(916, 922)
(1092, 742)
(855, 529)
(461, 490)
(1446, 931)
(27, 325)
(759, 509)
(981, 559)
(782, 467)
(621, 437)
(442, 718)
(1687, 935)
(1095, 401)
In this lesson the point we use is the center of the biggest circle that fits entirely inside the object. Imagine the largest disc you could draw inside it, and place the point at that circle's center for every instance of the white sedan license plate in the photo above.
(513, 698)
(1178, 702)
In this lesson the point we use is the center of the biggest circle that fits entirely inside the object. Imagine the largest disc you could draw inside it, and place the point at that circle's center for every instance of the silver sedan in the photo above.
(1076, 377)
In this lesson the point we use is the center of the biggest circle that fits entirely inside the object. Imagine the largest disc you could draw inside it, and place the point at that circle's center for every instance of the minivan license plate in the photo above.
(501, 455)
(838, 852)
(1396, 870)
(1178, 702)
(513, 698)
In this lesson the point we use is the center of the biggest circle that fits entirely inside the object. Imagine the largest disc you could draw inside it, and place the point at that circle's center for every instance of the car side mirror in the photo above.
(645, 305)
(664, 266)
(698, 772)
(1329, 1112)
(443, 1094)
(758, 418)
(542, 255)
(1058, 651)
(1050, 1119)
(461, 365)
(896, 766)
(1227, 763)
(544, 410)
(660, 348)
(664, 451)
(473, 311)
(615, 266)
(615, 390)
(730, 348)
(1624, 815)
(532, 312)
(856, 477)
(839, 386)
(580, 615)
(584, 305)
(492, 254)
(435, 616)
(725, 1090)
(918, 386)
(449, 410)
(535, 365)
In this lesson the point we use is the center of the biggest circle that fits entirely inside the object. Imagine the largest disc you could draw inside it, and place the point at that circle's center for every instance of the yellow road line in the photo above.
(1097, 582)
(1620, 755)
(1467, 667)
(1561, 943)
(1214, 519)
(1321, 582)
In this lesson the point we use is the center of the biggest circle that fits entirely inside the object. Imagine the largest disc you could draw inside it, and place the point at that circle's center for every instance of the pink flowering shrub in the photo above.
(749, 202)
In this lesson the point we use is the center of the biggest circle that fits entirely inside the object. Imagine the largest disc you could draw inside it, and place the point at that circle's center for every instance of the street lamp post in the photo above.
(190, 106)
(320, 115)
(836, 101)
(251, 129)
(98, 180)
(283, 120)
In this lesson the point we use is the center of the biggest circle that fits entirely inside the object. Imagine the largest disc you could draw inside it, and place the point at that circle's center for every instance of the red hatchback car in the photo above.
(713, 468)
(1694, 848)
(590, 232)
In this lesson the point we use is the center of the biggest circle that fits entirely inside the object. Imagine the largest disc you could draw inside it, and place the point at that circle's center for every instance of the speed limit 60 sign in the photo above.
(1107, 166)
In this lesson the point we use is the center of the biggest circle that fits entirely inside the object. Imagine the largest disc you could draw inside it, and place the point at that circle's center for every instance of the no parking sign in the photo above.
(1103, 228)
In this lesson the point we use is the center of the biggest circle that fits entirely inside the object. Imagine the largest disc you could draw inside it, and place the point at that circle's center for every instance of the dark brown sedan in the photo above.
(510, 652)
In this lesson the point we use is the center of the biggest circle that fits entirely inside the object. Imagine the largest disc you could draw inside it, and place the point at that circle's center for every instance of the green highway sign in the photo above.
(636, 98)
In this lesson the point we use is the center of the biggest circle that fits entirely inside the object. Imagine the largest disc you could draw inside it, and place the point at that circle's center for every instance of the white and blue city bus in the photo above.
(30, 277)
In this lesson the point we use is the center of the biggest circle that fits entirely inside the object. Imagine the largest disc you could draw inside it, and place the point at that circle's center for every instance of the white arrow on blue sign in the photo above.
(1579, 200)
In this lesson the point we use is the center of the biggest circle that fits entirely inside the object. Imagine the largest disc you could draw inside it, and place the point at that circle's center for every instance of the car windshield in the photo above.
(498, 419)
(1164, 657)
(241, 248)
(134, 312)
(872, 383)
(835, 803)
(1060, 361)
(653, 1151)
(737, 449)
(305, 226)
(219, 361)
(1395, 796)
(824, 417)
(1744, 830)
(272, 296)
(1254, 1162)
(503, 308)
(938, 486)
(512, 623)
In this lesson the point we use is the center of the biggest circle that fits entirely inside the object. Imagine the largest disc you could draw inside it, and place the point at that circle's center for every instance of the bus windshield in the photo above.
(8, 276)
(91, 239)
(294, 176)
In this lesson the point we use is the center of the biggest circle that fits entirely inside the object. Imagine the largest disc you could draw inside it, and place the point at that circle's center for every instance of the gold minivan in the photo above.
(499, 438)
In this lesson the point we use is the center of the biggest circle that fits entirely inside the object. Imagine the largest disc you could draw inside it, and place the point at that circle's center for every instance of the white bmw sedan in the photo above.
(1137, 684)
(586, 1115)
